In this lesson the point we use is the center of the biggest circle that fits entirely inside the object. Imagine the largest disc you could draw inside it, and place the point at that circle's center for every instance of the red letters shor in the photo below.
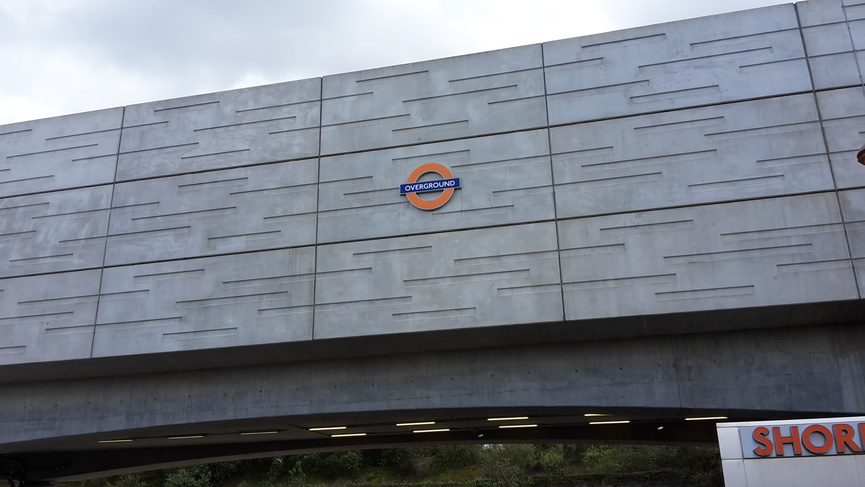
(821, 430)
(841, 435)
(759, 436)
(793, 439)
(844, 438)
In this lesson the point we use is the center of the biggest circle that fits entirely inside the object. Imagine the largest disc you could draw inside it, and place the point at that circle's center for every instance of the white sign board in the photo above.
(792, 453)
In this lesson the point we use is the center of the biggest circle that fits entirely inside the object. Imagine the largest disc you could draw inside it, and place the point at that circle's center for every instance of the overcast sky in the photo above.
(68, 56)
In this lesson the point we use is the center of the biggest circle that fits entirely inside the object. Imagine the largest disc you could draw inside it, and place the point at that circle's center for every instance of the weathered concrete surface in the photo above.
(249, 299)
(54, 232)
(651, 381)
(853, 208)
(218, 130)
(53, 317)
(706, 257)
(843, 113)
(689, 183)
(59, 153)
(438, 282)
(687, 166)
(710, 60)
(220, 212)
(753, 149)
(508, 179)
(454, 98)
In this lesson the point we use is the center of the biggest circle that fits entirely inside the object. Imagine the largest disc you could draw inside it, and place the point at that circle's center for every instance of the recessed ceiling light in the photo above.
(250, 433)
(518, 426)
(328, 428)
(419, 423)
(513, 418)
(609, 422)
(343, 435)
(707, 418)
(440, 430)
(595, 415)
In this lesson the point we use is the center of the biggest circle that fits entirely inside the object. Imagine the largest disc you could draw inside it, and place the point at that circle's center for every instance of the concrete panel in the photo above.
(506, 179)
(856, 20)
(843, 113)
(828, 44)
(834, 70)
(853, 209)
(834, 35)
(752, 149)
(855, 14)
(243, 299)
(820, 12)
(735, 255)
(220, 130)
(497, 91)
(490, 277)
(53, 232)
(58, 153)
(48, 317)
(237, 210)
(722, 58)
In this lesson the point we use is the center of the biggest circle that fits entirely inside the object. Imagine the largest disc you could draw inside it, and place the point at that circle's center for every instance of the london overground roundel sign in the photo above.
(446, 185)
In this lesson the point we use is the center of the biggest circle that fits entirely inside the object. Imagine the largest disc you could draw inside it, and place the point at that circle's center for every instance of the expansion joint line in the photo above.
(826, 138)
(553, 184)
(107, 230)
(317, 206)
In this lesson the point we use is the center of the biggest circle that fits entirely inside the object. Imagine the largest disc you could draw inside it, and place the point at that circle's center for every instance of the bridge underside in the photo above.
(260, 401)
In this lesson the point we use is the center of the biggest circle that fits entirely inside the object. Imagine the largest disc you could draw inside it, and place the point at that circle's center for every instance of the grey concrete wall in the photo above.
(707, 257)
(689, 166)
(650, 381)
(220, 130)
(710, 60)
(466, 96)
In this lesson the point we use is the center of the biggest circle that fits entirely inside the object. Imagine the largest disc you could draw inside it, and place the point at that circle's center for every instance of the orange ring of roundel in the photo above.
(442, 199)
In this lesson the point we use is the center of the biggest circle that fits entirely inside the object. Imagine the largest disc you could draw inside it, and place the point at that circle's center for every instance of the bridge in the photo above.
(650, 227)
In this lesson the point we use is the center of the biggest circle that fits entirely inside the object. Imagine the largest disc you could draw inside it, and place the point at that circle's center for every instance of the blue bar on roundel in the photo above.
(424, 186)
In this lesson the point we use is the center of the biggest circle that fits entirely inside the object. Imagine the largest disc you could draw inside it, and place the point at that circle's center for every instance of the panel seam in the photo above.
(825, 138)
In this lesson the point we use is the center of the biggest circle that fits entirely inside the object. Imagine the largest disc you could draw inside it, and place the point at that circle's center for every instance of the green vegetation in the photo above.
(451, 466)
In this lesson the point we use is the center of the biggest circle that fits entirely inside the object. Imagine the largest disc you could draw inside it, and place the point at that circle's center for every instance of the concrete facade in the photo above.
(689, 166)
(621, 185)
